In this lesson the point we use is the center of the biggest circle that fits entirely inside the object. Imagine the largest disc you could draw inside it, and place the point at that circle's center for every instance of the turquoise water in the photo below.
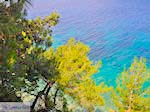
(116, 30)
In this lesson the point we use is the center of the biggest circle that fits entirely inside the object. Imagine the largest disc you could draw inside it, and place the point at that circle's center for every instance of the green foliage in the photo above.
(11, 12)
(130, 94)
(22, 44)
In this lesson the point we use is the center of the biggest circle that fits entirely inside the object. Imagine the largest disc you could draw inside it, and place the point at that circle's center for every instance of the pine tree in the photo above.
(130, 94)
(75, 74)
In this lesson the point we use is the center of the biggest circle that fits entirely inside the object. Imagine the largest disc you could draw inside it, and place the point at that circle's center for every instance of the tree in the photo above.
(75, 71)
(22, 43)
(8, 29)
(11, 13)
(131, 95)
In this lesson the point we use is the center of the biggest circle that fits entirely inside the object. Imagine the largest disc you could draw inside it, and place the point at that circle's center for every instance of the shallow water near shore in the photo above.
(115, 30)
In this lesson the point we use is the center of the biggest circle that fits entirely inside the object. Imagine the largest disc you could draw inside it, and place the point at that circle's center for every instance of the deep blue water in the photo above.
(116, 30)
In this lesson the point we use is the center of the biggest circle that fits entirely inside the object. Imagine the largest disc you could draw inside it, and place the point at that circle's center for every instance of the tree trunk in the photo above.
(46, 98)
(55, 96)
(46, 95)
(38, 95)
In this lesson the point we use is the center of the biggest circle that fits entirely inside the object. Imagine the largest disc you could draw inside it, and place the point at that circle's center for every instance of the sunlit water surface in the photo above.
(115, 30)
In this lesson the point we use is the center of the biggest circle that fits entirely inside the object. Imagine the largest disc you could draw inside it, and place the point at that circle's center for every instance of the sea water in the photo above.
(115, 30)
